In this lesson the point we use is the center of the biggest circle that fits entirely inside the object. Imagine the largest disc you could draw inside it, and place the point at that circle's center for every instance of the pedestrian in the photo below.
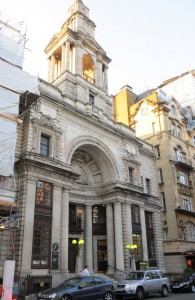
(85, 271)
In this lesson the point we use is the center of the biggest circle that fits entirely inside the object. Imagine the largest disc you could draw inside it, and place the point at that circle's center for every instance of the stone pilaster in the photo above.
(89, 237)
(110, 238)
(118, 237)
(52, 68)
(67, 60)
(63, 55)
(144, 237)
(28, 226)
(64, 230)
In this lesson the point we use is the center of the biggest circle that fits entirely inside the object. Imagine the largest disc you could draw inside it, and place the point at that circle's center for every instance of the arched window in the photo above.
(174, 110)
(180, 155)
(179, 132)
(190, 231)
(88, 68)
(173, 129)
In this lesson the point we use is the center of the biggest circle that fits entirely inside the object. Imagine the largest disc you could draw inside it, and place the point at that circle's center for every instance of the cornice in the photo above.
(44, 164)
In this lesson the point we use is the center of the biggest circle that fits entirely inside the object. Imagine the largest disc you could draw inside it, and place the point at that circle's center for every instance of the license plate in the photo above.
(119, 290)
(176, 287)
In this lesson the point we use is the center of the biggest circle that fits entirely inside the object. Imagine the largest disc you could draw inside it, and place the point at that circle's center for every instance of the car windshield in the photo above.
(70, 282)
(135, 276)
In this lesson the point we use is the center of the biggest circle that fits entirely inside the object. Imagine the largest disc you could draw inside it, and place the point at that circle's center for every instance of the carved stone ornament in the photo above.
(35, 141)
(79, 160)
(131, 157)
(46, 121)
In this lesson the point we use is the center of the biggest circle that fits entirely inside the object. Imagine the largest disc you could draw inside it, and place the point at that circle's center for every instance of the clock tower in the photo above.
(78, 65)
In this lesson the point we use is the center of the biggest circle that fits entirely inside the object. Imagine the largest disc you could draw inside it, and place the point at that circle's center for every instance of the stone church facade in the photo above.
(80, 175)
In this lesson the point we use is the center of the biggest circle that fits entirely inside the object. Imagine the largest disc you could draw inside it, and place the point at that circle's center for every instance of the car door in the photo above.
(156, 282)
(86, 289)
(100, 287)
(148, 282)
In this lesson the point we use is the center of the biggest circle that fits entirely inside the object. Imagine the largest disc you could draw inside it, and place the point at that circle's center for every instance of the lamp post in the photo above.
(78, 245)
(131, 256)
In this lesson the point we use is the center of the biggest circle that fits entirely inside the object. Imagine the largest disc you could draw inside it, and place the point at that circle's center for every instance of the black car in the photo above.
(82, 288)
(182, 282)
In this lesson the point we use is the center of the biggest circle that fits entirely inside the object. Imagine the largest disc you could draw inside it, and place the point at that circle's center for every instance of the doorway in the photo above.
(102, 255)
(72, 252)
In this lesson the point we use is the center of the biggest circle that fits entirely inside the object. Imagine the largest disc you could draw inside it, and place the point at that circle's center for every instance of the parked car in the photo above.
(82, 288)
(182, 282)
(138, 284)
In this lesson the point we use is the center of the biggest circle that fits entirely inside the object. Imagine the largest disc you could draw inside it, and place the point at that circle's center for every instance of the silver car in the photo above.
(138, 284)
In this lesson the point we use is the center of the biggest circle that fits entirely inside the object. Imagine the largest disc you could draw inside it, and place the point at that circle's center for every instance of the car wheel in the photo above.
(139, 294)
(164, 291)
(192, 288)
(66, 297)
(108, 296)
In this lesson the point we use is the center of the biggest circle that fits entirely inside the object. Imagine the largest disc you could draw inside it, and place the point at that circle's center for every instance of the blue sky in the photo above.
(148, 40)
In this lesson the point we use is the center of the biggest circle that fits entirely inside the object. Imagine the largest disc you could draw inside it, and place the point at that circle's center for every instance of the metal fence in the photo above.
(33, 284)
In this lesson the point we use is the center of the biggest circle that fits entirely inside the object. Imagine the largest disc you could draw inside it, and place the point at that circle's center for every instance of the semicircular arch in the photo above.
(100, 152)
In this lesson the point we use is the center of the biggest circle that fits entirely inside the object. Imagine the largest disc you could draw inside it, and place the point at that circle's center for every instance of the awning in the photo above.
(189, 253)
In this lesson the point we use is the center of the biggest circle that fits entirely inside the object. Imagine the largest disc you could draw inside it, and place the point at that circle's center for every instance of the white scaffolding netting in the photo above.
(13, 83)
(7, 146)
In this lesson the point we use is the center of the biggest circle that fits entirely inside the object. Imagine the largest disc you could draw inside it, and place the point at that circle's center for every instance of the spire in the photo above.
(79, 19)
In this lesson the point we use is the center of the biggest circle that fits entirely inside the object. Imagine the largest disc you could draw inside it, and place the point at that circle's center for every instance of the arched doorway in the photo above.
(96, 171)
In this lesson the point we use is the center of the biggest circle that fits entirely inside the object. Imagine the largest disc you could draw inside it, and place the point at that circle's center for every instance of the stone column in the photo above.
(100, 74)
(78, 59)
(129, 230)
(129, 225)
(110, 238)
(118, 237)
(89, 237)
(49, 69)
(106, 78)
(64, 230)
(67, 60)
(63, 55)
(52, 68)
(56, 218)
(144, 237)
(28, 227)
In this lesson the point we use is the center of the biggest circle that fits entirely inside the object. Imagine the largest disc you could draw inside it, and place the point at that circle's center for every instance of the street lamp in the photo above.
(78, 245)
(131, 255)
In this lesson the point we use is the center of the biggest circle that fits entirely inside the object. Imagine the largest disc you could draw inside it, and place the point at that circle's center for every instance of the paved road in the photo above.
(177, 296)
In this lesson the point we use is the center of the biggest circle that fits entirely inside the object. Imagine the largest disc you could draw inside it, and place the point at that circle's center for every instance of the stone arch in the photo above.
(88, 68)
(104, 161)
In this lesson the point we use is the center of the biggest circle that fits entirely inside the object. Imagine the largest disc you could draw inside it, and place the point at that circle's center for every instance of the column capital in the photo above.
(66, 188)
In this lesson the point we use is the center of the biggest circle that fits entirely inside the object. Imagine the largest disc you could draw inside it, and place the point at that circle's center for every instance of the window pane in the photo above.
(44, 145)
(43, 194)
(41, 243)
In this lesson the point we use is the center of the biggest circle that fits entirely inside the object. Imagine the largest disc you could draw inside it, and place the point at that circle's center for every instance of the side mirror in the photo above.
(147, 277)
(80, 287)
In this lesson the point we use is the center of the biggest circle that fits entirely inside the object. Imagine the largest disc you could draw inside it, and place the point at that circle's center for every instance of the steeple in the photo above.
(78, 19)
(75, 56)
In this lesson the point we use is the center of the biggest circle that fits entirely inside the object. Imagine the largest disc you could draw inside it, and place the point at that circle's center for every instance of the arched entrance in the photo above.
(96, 172)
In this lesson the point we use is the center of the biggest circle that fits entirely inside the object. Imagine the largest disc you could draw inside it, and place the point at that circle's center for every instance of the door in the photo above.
(102, 255)
(72, 251)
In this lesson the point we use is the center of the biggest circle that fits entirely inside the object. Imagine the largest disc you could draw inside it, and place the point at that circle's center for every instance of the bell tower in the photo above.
(77, 63)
